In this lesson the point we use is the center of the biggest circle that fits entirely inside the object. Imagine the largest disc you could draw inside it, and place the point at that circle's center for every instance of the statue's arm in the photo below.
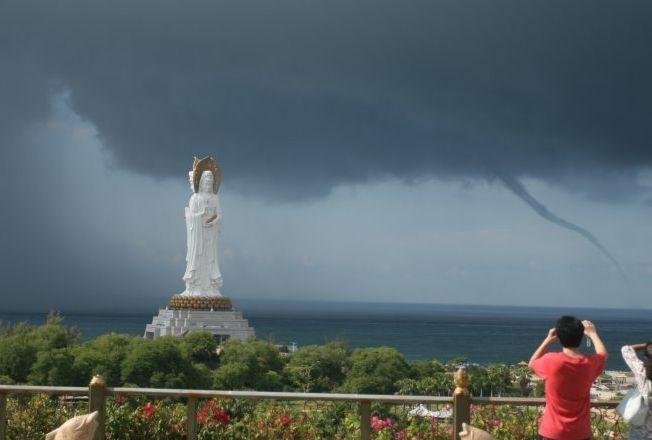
(194, 209)
(215, 218)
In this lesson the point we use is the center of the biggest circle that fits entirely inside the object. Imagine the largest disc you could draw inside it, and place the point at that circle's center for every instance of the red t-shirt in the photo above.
(567, 415)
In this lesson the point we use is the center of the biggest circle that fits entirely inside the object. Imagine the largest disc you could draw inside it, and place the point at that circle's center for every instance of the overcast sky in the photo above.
(371, 150)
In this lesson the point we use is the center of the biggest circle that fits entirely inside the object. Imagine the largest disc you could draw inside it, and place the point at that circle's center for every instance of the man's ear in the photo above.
(465, 430)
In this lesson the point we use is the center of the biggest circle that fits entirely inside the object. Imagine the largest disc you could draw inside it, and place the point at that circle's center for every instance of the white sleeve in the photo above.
(636, 365)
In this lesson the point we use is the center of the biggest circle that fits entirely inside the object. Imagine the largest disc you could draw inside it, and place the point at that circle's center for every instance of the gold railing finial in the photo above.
(461, 382)
(98, 380)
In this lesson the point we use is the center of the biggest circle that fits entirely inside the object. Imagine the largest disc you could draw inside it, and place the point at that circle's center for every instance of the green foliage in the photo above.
(522, 377)
(6, 380)
(232, 376)
(438, 384)
(32, 417)
(103, 355)
(318, 368)
(51, 354)
(17, 353)
(158, 363)
(203, 376)
(253, 365)
(425, 368)
(137, 418)
(54, 334)
(200, 347)
(375, 370)
(22, 345)
(257, 354)
(540, 389)
(492, 380)
(54, 367)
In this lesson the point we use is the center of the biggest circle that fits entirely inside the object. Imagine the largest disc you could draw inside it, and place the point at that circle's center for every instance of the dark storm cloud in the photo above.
(297, 96)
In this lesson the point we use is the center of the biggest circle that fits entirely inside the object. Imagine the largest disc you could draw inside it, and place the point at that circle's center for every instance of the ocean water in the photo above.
(484, 334)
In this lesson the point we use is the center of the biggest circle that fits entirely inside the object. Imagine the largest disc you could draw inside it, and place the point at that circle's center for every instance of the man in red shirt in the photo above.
(569, 375)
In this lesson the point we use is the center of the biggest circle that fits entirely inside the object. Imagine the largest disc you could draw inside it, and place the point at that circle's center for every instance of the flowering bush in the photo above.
(138, 419)
(522, 422)
(31, 417)
(235, 419)
(212, 415)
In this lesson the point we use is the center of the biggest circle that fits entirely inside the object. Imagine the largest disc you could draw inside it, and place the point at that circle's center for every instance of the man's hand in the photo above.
(592, 333)
(589, 329)
(550, 338)
(552, 335)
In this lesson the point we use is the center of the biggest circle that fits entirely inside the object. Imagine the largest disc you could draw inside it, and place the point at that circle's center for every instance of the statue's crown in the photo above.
(206, 164)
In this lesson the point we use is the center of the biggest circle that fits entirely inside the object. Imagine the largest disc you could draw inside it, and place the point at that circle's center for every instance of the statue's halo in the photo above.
(206, 164)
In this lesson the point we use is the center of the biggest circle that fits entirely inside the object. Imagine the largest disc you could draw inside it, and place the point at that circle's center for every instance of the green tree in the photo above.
(495, 379)
(21, 344)
(478, 380)
(17, 353)
(426, 368)
(54, 334)
(54, 367)
(253, 365)
(499, 379)
(232, 376)
(375, 370)
(439, 384)
(540, 388)
(318, 368)
(103, 355)
(522, 377)
(200, 346)
(159, 363)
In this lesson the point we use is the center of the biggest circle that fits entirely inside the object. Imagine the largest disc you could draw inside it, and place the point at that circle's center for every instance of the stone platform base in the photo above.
(223, 324)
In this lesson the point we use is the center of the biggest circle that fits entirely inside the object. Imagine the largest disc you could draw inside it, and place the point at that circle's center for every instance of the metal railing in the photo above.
(97, 392)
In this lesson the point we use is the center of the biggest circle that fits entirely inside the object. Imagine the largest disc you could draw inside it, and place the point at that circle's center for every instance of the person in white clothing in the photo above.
(643, 376)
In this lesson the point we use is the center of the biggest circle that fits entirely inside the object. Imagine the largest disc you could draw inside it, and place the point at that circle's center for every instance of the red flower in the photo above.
(148, 411)
(261, 425)
(202, 416)
(285, 420)
(120, 399)
(212, 414)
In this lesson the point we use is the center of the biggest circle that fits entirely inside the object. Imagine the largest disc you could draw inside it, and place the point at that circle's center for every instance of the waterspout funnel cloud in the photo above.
(519, 189)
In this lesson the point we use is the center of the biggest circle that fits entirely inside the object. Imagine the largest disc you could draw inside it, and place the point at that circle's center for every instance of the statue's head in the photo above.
(199, 169)
(206, 182)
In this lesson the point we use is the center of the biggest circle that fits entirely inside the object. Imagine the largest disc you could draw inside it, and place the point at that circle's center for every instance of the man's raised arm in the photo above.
(543, 348)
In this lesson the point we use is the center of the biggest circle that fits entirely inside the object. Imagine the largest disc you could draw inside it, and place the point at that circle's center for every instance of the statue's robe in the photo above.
(202, 274)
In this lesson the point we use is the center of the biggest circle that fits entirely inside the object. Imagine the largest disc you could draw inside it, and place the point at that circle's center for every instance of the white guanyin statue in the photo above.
(203, 219)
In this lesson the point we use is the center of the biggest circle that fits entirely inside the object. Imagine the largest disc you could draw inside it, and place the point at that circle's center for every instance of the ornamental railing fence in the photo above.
(461, 402)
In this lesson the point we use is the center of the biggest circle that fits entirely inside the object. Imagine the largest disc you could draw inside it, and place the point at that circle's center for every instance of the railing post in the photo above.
(365, 419)
(461, 402)
(97, 402)
(191, 422)
(3, 416)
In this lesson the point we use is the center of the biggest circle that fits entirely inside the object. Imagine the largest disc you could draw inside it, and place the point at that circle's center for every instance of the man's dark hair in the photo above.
(569, 331)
